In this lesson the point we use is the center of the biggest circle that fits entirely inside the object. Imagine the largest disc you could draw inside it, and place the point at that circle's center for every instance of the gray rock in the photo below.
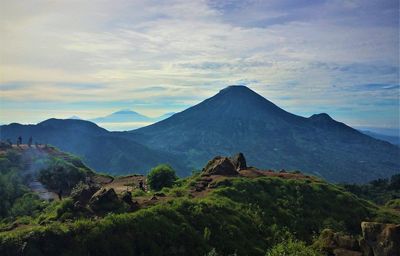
(382, 239)
(104, 200)
(83, 192)
(220, 166)
(239, 161)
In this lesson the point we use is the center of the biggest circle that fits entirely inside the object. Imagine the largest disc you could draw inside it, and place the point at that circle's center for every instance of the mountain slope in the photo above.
(239, 120)
(99, 148)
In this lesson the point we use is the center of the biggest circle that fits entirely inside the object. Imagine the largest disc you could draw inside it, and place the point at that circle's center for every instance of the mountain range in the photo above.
(235, 120)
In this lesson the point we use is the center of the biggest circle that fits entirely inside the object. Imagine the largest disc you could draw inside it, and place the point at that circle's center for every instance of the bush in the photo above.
(394, 204)
(292, 248)
(177, 192)
(28, 204)
(161, 176)
(137, 193)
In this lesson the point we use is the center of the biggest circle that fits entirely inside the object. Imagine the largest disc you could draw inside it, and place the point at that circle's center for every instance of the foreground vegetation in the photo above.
(238, 216)
(380, 191)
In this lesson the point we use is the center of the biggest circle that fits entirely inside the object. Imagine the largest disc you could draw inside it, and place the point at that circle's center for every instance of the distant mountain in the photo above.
(74, 117)
(239, 120)
(395, 140)
(122, 116)
(130, 116)
(125, 120)
(100, 149)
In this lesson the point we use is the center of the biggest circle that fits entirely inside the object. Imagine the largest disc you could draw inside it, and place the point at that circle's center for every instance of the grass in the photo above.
(243, 216)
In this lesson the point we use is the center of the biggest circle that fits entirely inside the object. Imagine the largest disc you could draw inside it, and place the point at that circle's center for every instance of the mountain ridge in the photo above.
(236, 119)
(100, 149)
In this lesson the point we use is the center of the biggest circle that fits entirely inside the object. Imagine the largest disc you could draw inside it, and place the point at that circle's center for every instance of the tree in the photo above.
(61, 175)
(161, 176)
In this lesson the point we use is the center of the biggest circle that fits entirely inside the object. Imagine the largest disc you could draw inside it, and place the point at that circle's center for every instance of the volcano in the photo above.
(238, 119)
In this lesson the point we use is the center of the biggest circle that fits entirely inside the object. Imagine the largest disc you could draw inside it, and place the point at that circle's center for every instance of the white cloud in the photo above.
(124, 46)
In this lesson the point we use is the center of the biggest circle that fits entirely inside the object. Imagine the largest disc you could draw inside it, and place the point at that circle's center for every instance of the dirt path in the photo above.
(126, 183)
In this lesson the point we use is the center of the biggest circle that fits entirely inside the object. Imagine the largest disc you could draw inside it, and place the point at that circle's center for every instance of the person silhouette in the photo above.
(19, 141)
(141, 185)
(30, 142)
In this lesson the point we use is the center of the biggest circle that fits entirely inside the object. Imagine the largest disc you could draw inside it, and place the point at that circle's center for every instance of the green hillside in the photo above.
(204, 214)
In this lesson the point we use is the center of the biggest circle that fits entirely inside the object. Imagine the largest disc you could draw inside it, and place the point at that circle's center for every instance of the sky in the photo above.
(91, 58)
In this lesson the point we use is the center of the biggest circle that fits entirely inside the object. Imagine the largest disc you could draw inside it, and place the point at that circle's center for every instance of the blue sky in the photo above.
(91, 58)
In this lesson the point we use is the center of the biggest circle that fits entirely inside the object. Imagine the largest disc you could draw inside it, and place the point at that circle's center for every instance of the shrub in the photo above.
(292, 248)
(65, 206)
(394, 204)
(137, 193)
(178, 192)
(28, 204)
(161, 176)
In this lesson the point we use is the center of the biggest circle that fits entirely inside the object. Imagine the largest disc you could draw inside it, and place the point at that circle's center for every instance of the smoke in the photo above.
(36, 159)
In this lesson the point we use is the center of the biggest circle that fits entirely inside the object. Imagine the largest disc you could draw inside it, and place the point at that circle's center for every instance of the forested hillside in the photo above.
(227, 208)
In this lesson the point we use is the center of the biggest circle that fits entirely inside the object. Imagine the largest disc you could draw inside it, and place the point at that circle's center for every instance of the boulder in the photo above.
(127, 198)
(347, 242)
(239, 161)
(104, 200)
(83, 192)
(338, 244)
(220, 166)
(380, 239)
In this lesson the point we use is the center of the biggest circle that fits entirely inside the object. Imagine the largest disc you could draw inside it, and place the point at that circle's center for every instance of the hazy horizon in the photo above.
(125, 123)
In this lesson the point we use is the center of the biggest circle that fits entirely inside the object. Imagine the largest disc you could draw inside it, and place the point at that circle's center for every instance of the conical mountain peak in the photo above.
(236, 88)
(321, 116)
(238, 91)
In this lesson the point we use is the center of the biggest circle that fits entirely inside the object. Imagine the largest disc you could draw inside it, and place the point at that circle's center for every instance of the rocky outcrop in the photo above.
(202, 184)
(104, 200)
(338, 244)
(239, 161)
(380, 239)
(220, 166)
(82, 193)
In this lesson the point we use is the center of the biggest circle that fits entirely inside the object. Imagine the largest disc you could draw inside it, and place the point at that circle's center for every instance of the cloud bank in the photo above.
(90, 58)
